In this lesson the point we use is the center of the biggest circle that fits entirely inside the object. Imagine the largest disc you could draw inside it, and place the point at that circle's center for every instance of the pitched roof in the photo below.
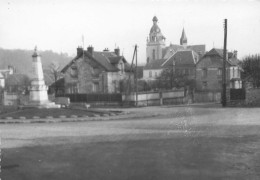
(105, 59)
(186, 57)
(156, 64)
(213, 53)
(102, 58)
(116, 59)
(218, 52)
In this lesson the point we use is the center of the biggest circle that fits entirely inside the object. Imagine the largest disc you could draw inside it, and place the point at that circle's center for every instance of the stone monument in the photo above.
(38, 90)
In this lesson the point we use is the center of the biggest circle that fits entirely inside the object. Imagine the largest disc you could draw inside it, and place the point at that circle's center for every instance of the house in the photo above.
(4, 73)
(181, 62)
(209, 71)
(96, 71)
(157, 53)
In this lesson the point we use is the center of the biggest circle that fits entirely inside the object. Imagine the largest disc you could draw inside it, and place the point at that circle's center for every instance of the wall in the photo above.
(146, 73)
(155, 98)
(157, 46)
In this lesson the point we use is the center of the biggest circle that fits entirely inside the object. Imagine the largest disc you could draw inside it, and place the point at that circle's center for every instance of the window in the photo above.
(204, 85)
(219, 72)
(95, 87)
(204, 72)
(155, 74)
(153, 54)
(150, 74)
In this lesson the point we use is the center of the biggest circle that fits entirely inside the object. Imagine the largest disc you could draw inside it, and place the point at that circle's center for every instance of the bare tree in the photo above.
(55, 74)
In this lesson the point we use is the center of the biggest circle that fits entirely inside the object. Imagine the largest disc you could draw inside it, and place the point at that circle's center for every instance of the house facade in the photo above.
(157, 53)
(209, 71)
(96, 71)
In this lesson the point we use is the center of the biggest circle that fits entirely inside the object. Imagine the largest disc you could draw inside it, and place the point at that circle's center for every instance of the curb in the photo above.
(77, 119)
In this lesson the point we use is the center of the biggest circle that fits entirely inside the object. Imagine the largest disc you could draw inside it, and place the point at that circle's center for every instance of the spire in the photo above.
(35, 53)
(183, 40)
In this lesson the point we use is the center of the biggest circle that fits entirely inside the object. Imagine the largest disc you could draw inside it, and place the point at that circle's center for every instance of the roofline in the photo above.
(169, 58)
(89, 56)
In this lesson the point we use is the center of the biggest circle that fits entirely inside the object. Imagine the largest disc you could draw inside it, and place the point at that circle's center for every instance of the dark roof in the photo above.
(217, 55)
(186, 57)
(218, 52)
(102, 59)
(116, 59)
(156, 64)
(105, 59)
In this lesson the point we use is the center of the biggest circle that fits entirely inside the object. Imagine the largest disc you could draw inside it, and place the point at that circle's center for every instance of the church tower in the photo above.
(183, 40)
(155, 42)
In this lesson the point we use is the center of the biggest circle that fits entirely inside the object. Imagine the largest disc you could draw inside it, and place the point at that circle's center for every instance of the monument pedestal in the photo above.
(38, 90)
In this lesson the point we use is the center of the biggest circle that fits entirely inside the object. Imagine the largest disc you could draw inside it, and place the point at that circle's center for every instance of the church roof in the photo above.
(169, 50)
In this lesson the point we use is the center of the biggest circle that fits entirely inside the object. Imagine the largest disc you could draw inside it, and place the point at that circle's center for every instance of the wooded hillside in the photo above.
(21, 60)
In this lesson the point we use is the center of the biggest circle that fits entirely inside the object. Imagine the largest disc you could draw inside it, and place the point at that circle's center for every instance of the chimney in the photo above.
(79, 50)
(106, 50)
(235, 54)
(117, 51)
(90, 50)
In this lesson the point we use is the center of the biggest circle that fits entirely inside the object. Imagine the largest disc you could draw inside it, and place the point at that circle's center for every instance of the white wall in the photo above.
(146, 73)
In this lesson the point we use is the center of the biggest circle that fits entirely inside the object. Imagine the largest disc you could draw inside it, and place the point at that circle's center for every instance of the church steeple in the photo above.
(155, 42)
(183, 40)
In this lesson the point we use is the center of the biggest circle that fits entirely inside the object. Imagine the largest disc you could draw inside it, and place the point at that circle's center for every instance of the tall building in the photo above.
(155, 42)
(157, 53)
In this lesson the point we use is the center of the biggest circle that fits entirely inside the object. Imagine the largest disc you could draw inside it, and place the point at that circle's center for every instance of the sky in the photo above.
(59, 25)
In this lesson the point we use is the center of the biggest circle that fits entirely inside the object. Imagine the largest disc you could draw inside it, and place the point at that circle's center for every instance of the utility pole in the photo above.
(136, 84)
(224, 98)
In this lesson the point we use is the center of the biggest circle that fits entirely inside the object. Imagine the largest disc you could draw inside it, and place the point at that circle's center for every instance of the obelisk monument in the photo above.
(38, 90)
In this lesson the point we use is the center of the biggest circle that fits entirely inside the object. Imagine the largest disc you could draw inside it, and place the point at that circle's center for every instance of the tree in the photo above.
(169, 79)
(55, 74)
(251, 67)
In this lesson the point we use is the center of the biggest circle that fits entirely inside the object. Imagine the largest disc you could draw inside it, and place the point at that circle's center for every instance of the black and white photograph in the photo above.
(129, 89)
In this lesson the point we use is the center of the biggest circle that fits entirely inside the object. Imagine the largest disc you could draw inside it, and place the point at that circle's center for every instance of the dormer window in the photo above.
(74, 71)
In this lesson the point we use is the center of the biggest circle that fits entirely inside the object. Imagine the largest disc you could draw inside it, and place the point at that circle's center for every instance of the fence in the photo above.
(155, 98)
(89, 98)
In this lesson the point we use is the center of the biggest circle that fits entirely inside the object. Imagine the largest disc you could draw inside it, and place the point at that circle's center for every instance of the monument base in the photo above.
(41, 105)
